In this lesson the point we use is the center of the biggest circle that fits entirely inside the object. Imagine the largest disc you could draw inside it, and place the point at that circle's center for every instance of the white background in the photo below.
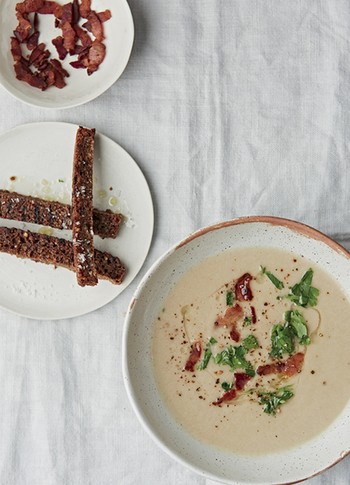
(230, 108)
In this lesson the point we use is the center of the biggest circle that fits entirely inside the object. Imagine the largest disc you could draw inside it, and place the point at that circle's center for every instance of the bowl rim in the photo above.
(299, 227)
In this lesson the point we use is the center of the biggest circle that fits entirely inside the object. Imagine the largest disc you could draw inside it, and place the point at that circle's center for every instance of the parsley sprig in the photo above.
(279, 285)
(207, 354)
(234, 357)
(283, 335)
(302, 293)
(272, 401)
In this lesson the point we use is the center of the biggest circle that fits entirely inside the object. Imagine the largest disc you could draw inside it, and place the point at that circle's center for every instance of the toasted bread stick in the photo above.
(82, 221)
(59, 252)
(26, 208)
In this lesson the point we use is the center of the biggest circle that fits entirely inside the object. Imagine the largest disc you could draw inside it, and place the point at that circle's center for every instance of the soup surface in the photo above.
(251, 350)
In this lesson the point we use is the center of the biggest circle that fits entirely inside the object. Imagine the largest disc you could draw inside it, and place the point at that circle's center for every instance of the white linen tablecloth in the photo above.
(231, 108)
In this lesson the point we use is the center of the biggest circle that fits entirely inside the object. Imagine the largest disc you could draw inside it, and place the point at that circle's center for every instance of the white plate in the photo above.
(287, 466)
(40, 156)
(81, 88)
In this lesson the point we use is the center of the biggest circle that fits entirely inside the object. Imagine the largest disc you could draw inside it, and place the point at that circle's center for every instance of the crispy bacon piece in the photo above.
(85, 8)
(16, 50)
(288, 368)
(69, 36)
(94, 25)
(23, 28)
(76, 13)
(241, 380)
(23, 73)
(83, 36)
(33, 41)
(59, 73)
(29, 6)
(235, 335)
(104, 16)
(227, 396)
(50, 8)
(96, 55)
(232, 315)
(242, 288)
(38, 55)
(195, 355)
(61, 50)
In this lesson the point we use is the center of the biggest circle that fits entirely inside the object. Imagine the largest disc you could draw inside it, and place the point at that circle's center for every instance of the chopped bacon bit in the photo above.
(227, 396)
(16, 49)
(50, 7)
(58, 66)
(253, 312)
(61, 50)
(94, 25)
(241, 380)
(29, 6)
(242, 288)
(97, 53)
(232, 315)
(288, 368)
(76, 12)
(85, 8)
(23, 28)
(77, 65)
(104, 16)
(67, 13)
(33, 40)
(83, 36)
(235, 335)
(69, 36)
(195, 355)
(23, 73)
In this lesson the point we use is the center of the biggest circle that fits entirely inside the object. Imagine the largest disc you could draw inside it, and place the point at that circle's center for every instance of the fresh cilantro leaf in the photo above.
(272, 401)
(207, 354)
(227, 386)
(229, 298)
(282, 339)
(272, 278)
(250, 342)
(234, 357)
(303, 294)
(247, 321)
(296, 320)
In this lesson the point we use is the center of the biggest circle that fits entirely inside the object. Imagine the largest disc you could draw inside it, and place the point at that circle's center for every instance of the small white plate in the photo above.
(81, 88)
(39, 156)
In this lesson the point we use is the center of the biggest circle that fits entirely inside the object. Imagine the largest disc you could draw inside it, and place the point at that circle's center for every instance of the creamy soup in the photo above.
(251, 350)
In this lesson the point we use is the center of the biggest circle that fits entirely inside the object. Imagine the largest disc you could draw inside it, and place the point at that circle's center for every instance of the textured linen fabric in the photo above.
(231, 108)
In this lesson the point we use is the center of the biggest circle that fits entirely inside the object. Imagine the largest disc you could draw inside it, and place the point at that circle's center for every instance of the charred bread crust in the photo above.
(26, 208)
(59, 252)
(82, 219)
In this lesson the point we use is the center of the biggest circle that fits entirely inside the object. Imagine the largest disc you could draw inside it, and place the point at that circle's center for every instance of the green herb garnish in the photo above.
(296, 320)
(61, 180)
(272, 278)
(229, 298)
(272, 401)
(250, 343)
(303, 294)
(227, 386)
(282, 339)
(283, 335)
(247, 321)
(207, 354)
(234, 357)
